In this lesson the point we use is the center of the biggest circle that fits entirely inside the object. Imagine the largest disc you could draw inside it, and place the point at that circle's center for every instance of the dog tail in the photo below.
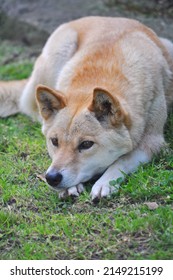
(10, 93)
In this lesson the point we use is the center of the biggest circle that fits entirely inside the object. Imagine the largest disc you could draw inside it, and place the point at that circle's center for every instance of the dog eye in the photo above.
(85, 145)
(54, 141)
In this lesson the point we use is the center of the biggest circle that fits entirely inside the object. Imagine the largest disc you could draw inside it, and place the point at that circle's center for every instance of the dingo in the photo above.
(103, 87)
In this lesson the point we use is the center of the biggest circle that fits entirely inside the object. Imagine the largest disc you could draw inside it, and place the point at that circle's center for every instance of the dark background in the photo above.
(31, 21)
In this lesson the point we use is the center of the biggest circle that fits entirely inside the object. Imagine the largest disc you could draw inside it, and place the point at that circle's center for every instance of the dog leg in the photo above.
(150, 145)
(126, 164)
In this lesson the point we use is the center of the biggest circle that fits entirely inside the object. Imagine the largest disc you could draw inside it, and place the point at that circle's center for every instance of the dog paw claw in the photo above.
(73, 191)
(101, 191)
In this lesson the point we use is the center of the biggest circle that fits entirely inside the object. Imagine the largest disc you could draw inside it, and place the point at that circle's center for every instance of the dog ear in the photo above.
(107, 108)
(49, 101)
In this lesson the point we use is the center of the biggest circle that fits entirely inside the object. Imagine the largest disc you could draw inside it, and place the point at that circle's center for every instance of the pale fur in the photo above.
(132, 66)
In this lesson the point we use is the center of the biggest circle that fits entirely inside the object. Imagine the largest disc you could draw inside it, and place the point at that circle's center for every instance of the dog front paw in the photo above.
(101, 190)
(73, 191)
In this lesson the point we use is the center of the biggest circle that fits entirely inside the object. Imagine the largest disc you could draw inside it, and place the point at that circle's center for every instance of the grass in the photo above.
(35, 224)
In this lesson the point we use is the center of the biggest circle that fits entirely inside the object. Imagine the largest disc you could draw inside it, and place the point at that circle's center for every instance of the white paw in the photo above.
(101, 190)
(73, 191)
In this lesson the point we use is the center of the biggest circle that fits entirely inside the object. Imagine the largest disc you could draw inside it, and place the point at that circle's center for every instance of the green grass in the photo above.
(17, 70)
(35, 224)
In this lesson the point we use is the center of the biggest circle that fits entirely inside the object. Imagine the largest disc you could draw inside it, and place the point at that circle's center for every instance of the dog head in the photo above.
(84, 136)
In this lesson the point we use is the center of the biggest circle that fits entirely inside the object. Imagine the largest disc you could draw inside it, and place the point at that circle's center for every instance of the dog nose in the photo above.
(53, 177)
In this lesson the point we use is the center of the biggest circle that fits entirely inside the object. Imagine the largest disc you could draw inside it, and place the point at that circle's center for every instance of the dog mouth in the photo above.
(59, 180)
(60, 187)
